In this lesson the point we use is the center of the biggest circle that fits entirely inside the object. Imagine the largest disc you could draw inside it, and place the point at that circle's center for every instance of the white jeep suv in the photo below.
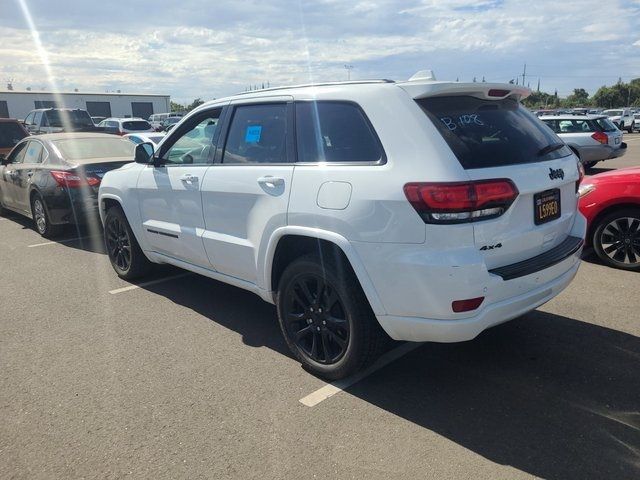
(417, 210)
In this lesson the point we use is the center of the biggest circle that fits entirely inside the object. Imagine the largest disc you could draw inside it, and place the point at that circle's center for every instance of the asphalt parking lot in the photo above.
(185, 377)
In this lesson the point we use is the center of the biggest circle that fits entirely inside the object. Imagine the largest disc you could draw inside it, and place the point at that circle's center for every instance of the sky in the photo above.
(210, 49)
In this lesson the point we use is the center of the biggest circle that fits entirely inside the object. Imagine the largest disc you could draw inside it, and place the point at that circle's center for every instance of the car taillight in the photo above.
(601, 137)
(468, 305)
(447, 203)
(73, 180)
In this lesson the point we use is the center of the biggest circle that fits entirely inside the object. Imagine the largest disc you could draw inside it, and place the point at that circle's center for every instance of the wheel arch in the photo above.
(289, 243)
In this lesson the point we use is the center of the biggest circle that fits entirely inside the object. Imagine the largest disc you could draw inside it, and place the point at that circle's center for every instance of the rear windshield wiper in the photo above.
(550, 148)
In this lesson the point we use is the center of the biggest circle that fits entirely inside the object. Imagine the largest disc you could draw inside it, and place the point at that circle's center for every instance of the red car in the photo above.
(611, 203)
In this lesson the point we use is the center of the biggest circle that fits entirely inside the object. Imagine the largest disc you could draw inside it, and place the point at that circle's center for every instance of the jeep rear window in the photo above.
(68, 118)
(136, 125)
(491, 133)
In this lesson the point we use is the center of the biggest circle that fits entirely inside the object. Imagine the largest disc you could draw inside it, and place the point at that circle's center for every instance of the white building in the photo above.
(15, 104)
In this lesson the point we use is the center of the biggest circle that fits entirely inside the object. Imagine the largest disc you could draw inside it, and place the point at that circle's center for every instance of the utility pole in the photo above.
(524, 75)
(538, 84)
(348, 68)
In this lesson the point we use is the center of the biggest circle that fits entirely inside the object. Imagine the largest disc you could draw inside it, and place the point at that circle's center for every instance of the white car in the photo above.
(622, 117)
(418, 210)
(143, 137)
(122, 126)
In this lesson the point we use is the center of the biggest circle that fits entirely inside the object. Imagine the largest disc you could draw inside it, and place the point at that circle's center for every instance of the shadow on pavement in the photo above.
(548, 395)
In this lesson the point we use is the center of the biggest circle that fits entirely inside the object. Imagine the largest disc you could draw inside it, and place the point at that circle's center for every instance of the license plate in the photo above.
(546, 206)
(617, 140)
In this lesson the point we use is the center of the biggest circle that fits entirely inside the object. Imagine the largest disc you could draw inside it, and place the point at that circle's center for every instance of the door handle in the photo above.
(270, 181)
(30, 173)
(189, 179)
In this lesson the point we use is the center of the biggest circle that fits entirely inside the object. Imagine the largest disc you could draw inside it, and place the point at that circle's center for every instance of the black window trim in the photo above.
(179, 132)
(290, 151)
(381, 161)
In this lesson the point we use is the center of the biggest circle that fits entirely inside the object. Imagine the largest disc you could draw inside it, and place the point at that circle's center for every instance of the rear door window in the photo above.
(491, 133)
(34, 153)
(328, 131)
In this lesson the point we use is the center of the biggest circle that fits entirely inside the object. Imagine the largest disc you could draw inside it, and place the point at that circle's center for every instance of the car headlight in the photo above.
(586, 189)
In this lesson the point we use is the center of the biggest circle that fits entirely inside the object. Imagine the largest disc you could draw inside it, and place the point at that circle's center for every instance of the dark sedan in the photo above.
(54, 178)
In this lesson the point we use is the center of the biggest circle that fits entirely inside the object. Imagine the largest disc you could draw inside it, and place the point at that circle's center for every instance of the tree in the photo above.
(178, 107)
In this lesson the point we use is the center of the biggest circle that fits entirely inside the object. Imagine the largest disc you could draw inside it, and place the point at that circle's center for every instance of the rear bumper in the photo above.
(76, 208)
(597, 153)
(618, 152)
(429, 330)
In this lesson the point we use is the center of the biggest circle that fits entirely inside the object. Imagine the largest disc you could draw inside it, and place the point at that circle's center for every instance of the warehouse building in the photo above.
(15, 104)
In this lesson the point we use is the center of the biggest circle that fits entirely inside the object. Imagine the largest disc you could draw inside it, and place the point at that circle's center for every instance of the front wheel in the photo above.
(616, 239)
(325, 317)
(125, 254)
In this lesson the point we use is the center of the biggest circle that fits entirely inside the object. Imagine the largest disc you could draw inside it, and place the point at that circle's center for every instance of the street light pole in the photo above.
(348, 68)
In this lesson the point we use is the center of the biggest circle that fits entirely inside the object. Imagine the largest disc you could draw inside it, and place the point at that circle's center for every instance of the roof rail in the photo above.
(321, 84)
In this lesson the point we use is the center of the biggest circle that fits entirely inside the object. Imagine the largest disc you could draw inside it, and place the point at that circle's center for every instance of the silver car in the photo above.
(593, 138)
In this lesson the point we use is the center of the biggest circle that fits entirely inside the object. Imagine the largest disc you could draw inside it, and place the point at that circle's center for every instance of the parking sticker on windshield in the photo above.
(253, 134)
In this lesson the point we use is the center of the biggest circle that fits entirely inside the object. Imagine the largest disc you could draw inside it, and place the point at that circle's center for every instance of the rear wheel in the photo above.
(125, 254)
(41, 218)
(630, 129)
(616, 239)
(326, 319)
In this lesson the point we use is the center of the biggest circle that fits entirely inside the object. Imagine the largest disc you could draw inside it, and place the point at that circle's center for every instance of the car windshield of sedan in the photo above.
(612, 113)
(91, 147)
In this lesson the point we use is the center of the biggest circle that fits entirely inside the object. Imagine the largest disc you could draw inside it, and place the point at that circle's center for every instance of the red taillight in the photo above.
(73, 180)
(601, 137)
(459, 306)
(461, 202)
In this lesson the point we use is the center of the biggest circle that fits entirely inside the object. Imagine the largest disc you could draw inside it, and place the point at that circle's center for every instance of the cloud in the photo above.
(204, 49)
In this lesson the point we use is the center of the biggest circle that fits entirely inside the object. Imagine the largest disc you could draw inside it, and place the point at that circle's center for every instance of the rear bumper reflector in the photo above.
(545, 260)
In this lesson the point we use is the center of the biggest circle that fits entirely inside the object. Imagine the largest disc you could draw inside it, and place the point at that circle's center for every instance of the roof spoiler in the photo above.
(423, 84)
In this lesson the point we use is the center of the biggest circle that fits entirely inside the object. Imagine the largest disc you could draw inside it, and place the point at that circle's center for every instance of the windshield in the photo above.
(64, 118)
(491, 133)
(136, 125)
(612, 113)
(10, 134)
(94, 147)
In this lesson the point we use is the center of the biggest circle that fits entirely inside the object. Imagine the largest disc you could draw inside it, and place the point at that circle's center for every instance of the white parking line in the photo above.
(331, 389)
(146, 284)
(68, 240)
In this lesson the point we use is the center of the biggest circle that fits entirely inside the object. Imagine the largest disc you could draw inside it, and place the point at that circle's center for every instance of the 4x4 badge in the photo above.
(554, 174)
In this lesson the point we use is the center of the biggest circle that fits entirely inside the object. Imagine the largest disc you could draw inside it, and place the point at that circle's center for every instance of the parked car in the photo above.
(611, 203)
(622, 117)
(57, 120)
(11, 132)
(169, 122)
(636, 121)
(54, 178)
(97, 120)
(143, 137)
(122, 126)
(157, 118)
(456, 213)
(593, 138)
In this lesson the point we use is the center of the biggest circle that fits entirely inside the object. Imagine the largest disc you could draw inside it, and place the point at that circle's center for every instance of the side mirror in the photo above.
(144, 153)
(3, 159)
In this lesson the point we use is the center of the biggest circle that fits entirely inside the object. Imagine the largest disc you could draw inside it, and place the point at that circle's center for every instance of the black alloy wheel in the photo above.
(316, 320)
(118, 244)
(125, 254)
(325, 316)
(616, 240)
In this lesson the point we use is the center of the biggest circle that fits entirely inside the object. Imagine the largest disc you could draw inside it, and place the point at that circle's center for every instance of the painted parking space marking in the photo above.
(147, 284)
(338, 386)
(67, 240)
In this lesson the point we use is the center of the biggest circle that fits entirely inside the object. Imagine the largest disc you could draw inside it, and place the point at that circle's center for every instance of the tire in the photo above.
(324, 300)
(41, 220)
(589, 165)
(124, 252)
(630, 129)
(616, 239)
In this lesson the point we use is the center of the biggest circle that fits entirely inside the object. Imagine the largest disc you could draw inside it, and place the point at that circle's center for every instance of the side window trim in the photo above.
(383, 156)
(290, 152)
